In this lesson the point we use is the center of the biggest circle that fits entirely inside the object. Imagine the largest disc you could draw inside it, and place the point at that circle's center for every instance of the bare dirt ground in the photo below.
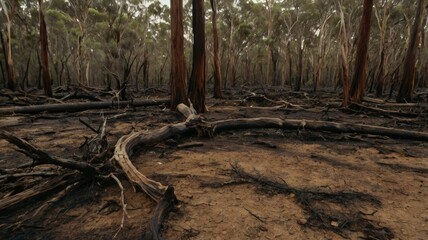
(215, 203)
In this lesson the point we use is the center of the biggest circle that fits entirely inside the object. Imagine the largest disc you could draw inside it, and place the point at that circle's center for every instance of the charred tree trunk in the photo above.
(405, 93)
(197, 80)
(2, 74)
(217, 71)
(4, 54)
(299, 77)
(44, 52)
(178, 64)
(359, 77)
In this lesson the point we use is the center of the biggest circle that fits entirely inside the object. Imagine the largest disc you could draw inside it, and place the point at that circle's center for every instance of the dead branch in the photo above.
(43, 157)
(356, 106)
(122, 199)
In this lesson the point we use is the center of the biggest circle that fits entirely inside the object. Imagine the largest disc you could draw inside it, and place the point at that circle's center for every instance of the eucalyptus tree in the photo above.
(44, 52)
(60, 25)
(359, 76)
(324, 15)
(408, 79)
(197, 79)
(382, 17)
(7, 48)
(216, 58)
(178, 64)
(80, 9)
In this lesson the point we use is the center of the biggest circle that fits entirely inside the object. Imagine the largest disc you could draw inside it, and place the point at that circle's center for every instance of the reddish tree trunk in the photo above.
(359, 77)
(178, 64)
(197, 80)
(405, 93)
(217, 71)
(44, 52)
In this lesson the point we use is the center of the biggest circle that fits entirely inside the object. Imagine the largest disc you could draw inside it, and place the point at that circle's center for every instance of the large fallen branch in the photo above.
(42, 157)
(155, 190)
(246, 123)
(81, 106)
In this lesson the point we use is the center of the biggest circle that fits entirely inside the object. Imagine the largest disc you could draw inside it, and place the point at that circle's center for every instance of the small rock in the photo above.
(302, 221)
(334, 224)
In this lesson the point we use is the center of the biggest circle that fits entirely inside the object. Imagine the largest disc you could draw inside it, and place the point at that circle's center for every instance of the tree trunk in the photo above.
(405, 93)
(300, 49)
(380, 75)
(269, 68)
(359, 77)
(5, 55)
(197, 80)
(8, 50)
(344, 50)
(44, 52)
(217, 71)
(178, 64)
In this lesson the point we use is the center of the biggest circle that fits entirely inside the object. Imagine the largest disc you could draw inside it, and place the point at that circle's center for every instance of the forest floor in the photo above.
(207, 174)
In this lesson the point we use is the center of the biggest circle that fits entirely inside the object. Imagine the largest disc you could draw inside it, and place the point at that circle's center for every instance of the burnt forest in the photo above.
(215, 119)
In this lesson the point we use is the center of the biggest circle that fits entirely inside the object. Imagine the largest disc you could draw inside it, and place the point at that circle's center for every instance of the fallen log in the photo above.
(80, 106)
(246, 123)
(356, 106)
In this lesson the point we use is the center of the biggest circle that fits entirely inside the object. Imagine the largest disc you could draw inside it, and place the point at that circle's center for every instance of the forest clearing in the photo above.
(213, 119)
